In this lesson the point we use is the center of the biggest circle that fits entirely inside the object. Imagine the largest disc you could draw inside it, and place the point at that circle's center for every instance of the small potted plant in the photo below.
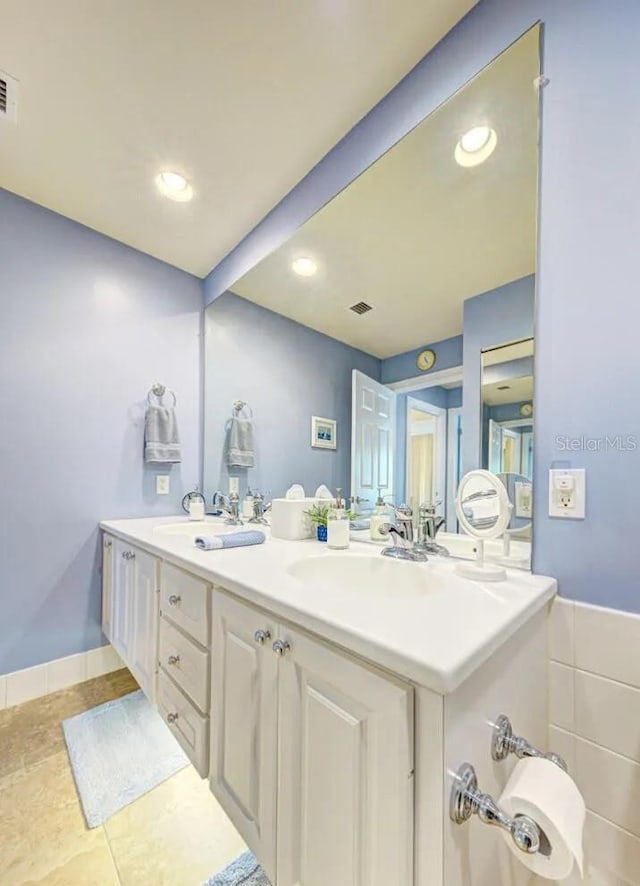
(318, 515)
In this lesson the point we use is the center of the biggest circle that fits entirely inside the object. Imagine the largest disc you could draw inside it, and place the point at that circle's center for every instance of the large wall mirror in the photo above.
(400, 315)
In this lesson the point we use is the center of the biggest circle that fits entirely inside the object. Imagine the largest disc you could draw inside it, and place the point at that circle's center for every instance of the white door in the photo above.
(426, 455)
(454, 464)
(373, 439)
(244, 711)
(107, 584)
(345, 771)
(494, 455)
(144, 621)
(121, 623)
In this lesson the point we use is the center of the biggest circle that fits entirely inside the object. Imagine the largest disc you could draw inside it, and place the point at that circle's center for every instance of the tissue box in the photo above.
(289, 520)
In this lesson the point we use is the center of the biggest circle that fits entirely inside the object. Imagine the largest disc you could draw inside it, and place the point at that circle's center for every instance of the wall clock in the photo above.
(526, 410)
(426, 360)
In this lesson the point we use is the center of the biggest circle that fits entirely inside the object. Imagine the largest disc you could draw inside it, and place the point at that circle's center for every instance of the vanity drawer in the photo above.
(189, 726)
(185, 600)
(185, 662)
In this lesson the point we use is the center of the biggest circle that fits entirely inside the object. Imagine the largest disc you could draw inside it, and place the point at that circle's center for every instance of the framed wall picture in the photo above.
(323, 433)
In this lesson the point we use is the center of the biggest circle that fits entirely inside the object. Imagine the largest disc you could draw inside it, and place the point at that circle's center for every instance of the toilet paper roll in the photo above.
(543, 791)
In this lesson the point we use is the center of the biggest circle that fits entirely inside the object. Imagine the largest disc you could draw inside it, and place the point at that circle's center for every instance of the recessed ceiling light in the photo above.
(174, 186)
(304, 266)
(475, 146)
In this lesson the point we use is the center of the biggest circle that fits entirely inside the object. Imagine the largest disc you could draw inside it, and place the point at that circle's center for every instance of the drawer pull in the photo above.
(261, 637)
(281, 647)
(173, 659)
(171, 718)
(174, 600)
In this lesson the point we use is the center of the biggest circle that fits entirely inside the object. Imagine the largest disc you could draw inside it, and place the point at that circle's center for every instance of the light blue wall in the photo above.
(87, 326)
(448, 354)
(589, 232)
(287, 373)
(493, 318)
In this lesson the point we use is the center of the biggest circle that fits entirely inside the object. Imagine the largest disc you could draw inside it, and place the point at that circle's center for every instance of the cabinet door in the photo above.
(345, 770)
(121, 587)
(107, 584)
(244, 723)
(144, 620)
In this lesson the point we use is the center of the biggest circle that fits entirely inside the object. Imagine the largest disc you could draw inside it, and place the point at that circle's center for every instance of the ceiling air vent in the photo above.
(8, 97)
(361, 308)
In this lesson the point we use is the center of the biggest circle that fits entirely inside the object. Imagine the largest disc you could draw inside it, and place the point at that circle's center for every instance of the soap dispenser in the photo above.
(338, 525)
(379, 517)
(247, 505)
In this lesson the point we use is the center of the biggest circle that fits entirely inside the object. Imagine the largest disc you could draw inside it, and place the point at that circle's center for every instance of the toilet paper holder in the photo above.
(504, 742)
(467, 800)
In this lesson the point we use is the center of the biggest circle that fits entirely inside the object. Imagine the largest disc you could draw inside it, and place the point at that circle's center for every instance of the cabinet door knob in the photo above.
(124, 555)
(174, 659)
(281, 647)
(132, 556)
(261, 637)
(174, 599)
(171, 718)
(108, 544)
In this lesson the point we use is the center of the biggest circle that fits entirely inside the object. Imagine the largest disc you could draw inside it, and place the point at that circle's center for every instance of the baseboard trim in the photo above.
(51, 676)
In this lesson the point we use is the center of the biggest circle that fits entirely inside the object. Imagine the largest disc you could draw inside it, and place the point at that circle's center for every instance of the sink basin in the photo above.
(374, 574)
(191, 529)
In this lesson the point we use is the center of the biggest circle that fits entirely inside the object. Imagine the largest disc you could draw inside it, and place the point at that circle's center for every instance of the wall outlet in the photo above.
(567, 493)
(234, 485)
(162, 484)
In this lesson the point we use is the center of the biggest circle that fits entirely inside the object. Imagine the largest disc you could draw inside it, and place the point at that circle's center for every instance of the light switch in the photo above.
(162, 484)
(234, 485)
(567, 493)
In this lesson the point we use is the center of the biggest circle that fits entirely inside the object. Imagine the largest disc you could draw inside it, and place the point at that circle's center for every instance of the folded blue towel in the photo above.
(231, 540)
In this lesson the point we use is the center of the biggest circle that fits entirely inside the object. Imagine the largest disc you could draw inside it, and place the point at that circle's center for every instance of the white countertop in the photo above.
(435, 640)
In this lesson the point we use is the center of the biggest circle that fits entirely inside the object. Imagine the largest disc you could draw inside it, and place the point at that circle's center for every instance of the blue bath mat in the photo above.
(119, 751)
(244, 871)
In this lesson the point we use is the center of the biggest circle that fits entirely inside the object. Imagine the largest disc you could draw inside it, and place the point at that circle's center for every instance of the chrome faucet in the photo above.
(428, 526)
(402, 548)
(404, 521)
(230, 504)
(259, 508)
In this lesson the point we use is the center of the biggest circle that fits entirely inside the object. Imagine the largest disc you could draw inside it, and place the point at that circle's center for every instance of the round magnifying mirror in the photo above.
(484, 511)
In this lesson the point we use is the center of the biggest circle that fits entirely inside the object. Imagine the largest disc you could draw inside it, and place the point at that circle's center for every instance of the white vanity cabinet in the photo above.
(131, 609)
(107, 584)
(312, 753)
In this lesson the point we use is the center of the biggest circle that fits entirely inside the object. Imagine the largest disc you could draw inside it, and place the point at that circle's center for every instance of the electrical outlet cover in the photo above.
(568, 504)
(162, 484)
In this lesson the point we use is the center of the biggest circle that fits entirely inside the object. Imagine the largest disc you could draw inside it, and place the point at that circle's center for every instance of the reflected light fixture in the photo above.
(476, 146)
(174, 186)
(304, 266)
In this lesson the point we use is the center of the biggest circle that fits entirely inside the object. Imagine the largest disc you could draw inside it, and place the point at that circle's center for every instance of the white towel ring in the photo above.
(159, 391)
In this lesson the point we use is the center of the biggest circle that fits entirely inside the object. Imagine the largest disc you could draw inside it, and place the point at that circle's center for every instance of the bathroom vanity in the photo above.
(328, 696)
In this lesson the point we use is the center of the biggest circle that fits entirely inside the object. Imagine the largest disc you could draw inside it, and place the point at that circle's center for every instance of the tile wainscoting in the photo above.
(594, 716)
(43, 679)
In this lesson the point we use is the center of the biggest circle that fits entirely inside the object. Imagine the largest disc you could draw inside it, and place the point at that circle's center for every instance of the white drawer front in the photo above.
(185, 600)
(186, 663)
(189, 726)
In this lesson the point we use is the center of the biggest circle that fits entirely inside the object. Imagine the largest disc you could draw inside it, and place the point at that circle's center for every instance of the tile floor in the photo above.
(176, 835)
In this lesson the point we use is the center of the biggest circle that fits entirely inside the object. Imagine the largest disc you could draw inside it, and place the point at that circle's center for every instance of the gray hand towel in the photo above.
(240, 450)
(161, 438)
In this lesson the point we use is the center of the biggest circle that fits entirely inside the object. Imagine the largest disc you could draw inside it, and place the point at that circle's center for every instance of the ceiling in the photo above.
(517, 390)
(417, 234)
(242, 98)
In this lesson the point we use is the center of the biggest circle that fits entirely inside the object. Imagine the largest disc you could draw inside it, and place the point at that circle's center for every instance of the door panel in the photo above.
(121, 607)
(345, 771)
(244, 724)
(373, 439)
(144, 611)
